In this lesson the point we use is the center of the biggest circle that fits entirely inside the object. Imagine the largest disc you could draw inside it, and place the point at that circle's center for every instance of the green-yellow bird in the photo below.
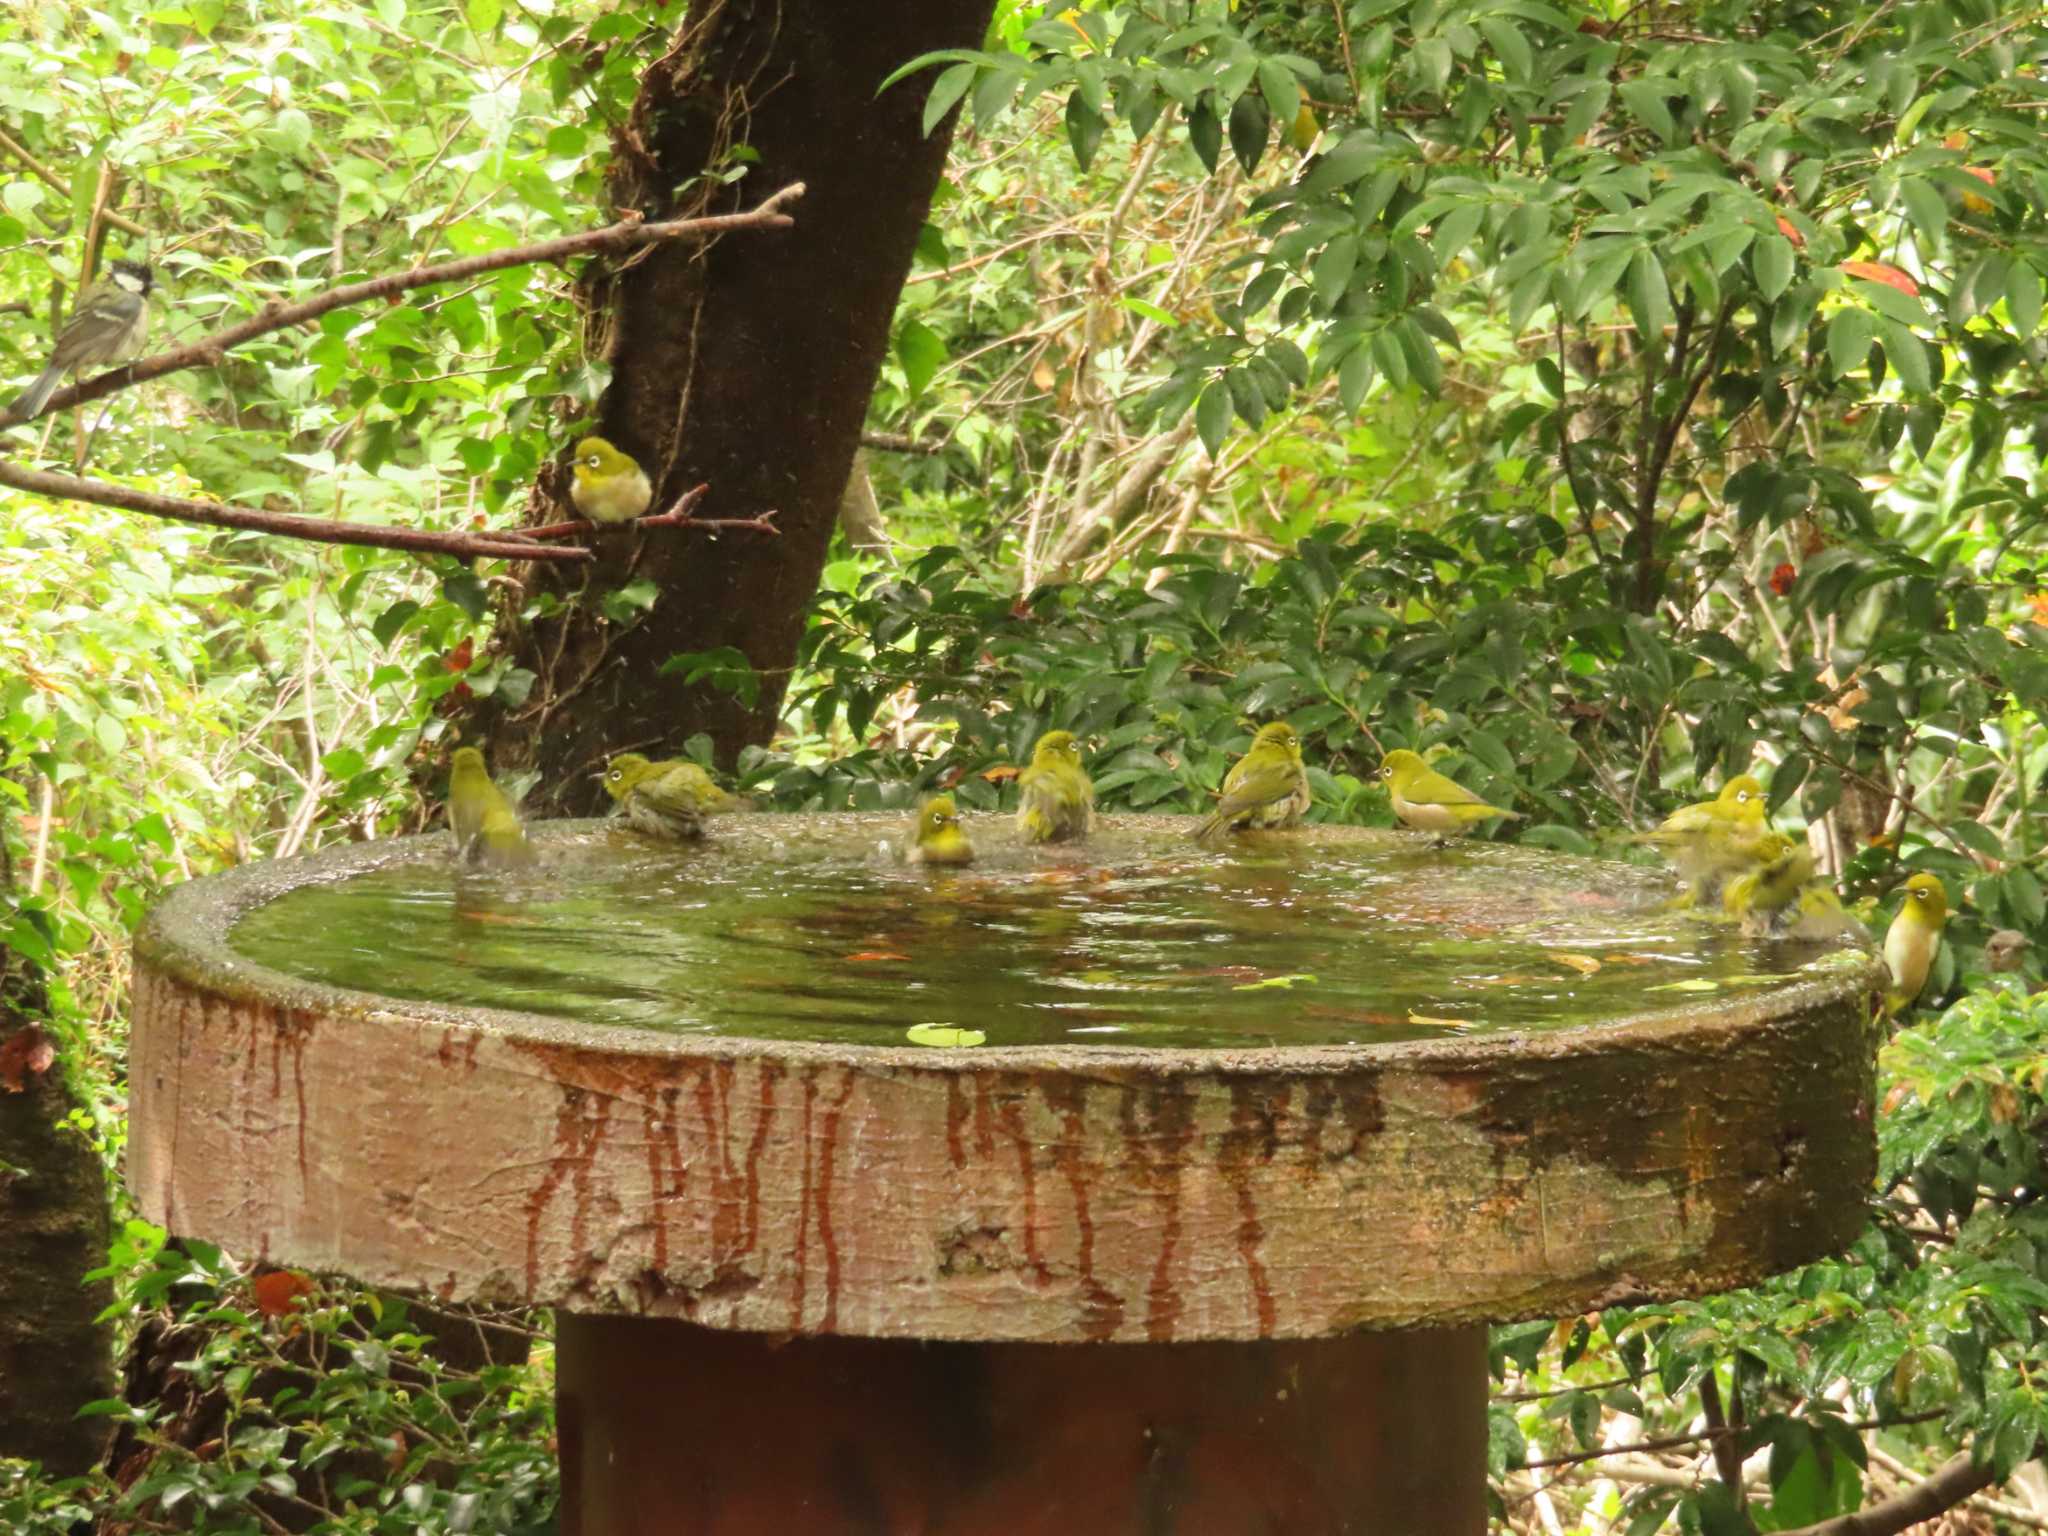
(486, 827)
(1055, 799)
(1426, 800)
(1914, 937)
(666, 799)
(1766, 897)
(1715, 840)
(939, 838)
(609, 487)
(1267, 787)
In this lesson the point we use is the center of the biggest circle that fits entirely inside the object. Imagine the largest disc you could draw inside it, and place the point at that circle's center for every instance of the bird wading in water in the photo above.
(1712, 842)
(1056, 800)
(486, 827)
(664, 799)
(1267, 787)
(1427, 801)
(939, 838)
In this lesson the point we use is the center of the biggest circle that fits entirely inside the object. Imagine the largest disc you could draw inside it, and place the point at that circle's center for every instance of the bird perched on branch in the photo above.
(1714, 841)
(666, 799)
(1914, 936)
(108, 325)
(1267, 787)
(1429, 802)
(486, 827)
(609, 487)
(1056, 799)
(939, 838)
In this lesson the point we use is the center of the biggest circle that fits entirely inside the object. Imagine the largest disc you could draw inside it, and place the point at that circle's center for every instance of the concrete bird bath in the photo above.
(1203, 1238)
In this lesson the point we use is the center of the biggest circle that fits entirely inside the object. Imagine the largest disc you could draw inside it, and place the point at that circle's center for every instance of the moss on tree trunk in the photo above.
(747, 364)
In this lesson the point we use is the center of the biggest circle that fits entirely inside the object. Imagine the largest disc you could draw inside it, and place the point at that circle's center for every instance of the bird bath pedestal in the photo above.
(1062, 1288)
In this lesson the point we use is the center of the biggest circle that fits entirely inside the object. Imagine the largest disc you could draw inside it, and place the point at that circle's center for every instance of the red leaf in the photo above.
(1000, 772)
(279, 1291)
(878, 954)
(458, 660)
(1790, 230)
(1882, 272)
(1782, 579)
(1982, 173)
(24, 1054)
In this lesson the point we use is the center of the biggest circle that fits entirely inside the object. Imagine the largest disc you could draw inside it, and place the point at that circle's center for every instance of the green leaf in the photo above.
(1331, 274)
(1509, 46)
(1347, 163)
(1907, 356)
(1773, 257)
(1850, 333)
(1249, 131)
(921, 353)
(1282, 93)
(1205, 133)
(1649, 296)
(1212, 416)
(1085, 128)
(2023, 298)
(484, 15)
(1927, 208)
(1645, 101)
(952, 84)
(944, 1036)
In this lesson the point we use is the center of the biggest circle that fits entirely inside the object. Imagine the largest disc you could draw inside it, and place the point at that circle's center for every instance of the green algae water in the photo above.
(809, 928)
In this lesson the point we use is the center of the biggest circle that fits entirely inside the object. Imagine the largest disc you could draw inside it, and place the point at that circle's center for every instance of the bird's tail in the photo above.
(1211, 826)
(30, 401)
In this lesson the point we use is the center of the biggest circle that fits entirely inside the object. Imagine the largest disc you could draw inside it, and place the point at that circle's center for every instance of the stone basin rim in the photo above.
(185, 938)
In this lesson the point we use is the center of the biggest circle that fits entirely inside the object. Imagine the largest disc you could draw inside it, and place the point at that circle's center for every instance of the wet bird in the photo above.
(486, 827)
(1914, 936)
(939, 838)
(1714, 841)
(1769, 888)
(1429, 802)
(664, 799)
(609, 486)
(1055, 799)
(108, 325)
(1267, 787)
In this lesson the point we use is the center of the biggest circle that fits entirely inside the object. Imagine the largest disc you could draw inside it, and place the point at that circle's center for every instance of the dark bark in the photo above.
(747, 364)
(53, 1228)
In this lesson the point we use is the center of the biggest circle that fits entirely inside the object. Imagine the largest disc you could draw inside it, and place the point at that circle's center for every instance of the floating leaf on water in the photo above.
(1270, 981)
(877, 954)
(1585, 965)
(1690, 984)
(1755, 981)
(1425, 1018)
(945, 1035)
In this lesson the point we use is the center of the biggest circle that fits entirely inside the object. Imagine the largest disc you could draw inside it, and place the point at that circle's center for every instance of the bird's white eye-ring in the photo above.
(591, 461)
(1742, 797)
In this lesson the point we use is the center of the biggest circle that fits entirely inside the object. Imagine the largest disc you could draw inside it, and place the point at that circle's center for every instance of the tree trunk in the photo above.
(54, 1358)
(747, 365)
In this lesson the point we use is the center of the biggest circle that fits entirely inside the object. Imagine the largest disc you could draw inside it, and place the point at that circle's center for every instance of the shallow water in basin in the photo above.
(806, 928)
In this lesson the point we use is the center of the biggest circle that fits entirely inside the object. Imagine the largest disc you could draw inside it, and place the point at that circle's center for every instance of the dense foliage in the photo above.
(1613, 398)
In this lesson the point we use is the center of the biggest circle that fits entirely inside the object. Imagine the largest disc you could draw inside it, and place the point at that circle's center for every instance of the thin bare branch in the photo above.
(627, 234)
(290, 525)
